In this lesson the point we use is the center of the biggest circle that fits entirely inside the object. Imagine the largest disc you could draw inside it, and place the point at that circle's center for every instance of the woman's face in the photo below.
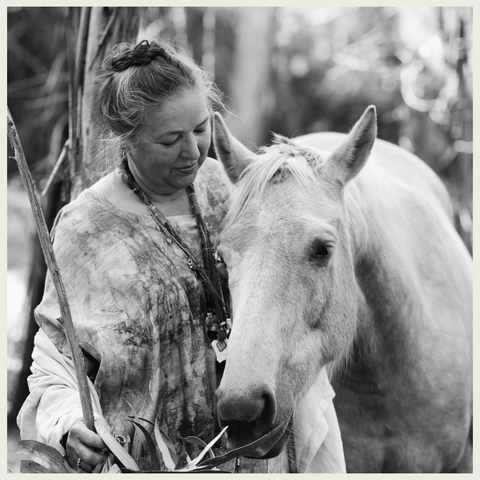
(173, 144)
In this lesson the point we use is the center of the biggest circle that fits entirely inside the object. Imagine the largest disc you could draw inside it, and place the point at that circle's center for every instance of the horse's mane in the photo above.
(274, 164)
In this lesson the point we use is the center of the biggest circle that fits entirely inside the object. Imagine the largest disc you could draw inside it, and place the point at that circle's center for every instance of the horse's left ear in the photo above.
(352, 154)
(234, 155)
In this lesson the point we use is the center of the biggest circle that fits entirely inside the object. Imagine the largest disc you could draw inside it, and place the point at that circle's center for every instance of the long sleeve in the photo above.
(53, 406)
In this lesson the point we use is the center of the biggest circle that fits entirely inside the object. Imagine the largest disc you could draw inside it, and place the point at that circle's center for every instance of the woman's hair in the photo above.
(132, 80)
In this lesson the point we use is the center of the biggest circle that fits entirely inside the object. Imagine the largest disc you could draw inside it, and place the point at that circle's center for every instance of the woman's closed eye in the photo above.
(169, 143)
(169, 140)
(202, 128)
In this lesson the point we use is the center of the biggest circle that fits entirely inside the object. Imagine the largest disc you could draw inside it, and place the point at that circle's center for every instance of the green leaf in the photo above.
(166, 448)
(45, 455)
(165, 445)
(116, 469)
(199, 442)
(206, 449)
(182, 461)
(124, 458)
(275, 434)
(136, 441)
(144, 464)
(151, 446)
(197, 470)
(29, 466)
(100, 467)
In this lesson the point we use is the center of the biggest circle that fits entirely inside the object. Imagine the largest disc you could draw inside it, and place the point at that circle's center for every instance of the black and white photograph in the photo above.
(239, 239)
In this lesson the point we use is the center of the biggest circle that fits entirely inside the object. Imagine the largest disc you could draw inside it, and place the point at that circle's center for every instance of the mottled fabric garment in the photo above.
(138, 311)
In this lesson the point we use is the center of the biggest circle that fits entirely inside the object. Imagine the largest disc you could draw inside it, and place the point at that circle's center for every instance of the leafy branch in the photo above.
(46, 459)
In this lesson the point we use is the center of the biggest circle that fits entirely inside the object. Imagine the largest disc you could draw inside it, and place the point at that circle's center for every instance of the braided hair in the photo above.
(132, 80)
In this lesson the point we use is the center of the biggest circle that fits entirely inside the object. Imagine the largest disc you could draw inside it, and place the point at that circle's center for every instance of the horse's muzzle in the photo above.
(250, 415)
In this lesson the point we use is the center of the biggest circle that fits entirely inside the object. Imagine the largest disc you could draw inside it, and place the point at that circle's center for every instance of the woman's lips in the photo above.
(188, 169)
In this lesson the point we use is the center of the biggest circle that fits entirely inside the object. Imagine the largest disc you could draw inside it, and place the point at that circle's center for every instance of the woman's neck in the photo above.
(158, 197)
(169, 203)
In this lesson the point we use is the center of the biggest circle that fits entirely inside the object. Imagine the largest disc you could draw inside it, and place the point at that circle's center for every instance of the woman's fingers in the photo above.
(86, 436)
(84, 447)
(89, 458)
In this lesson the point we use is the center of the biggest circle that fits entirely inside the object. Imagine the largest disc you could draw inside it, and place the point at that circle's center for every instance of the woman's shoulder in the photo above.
(213, 178)
(87, 201)
(89, 212)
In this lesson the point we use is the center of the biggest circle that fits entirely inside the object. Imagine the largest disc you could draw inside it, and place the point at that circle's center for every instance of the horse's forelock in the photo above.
(275, 164)
(287, 147)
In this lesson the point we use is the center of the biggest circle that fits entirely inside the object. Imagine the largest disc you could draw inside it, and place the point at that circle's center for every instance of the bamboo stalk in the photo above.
(55, 170)
(50, 260)
(106, 31)
(72, 119)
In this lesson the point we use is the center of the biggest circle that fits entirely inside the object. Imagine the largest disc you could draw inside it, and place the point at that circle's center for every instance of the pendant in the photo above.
(220, 349)
(221, 334)
(218, 334)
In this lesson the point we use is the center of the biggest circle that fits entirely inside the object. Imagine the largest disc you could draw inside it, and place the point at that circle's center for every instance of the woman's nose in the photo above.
(190, 147)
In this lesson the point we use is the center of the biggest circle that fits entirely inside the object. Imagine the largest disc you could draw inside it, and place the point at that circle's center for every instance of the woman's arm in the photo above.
(53, 407)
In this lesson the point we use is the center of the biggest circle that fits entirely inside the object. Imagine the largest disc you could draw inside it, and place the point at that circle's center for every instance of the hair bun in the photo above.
(140, 55)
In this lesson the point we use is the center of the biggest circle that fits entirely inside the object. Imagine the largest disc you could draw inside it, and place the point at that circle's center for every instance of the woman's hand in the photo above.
(84, 447)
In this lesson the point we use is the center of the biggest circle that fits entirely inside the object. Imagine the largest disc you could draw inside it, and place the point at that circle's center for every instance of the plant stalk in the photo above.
(50, 260)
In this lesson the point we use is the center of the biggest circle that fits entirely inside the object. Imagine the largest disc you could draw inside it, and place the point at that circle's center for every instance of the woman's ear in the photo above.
(348, 159)
(234, 156)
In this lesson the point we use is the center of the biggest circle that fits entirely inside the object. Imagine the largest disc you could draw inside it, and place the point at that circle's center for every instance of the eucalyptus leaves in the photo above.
(46, 459)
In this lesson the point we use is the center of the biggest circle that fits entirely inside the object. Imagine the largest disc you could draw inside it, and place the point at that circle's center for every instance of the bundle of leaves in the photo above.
(162, 456)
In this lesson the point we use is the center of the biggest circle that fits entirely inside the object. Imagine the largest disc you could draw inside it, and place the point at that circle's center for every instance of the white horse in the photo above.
(354, 265)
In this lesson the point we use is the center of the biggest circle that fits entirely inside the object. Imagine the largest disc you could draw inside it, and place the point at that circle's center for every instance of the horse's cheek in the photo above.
(331, 316)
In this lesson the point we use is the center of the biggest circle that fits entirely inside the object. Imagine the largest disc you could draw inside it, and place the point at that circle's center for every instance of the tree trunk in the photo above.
(108, 26)
(252, 102)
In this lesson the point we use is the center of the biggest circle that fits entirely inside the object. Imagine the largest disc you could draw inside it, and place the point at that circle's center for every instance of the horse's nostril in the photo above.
(270, 407)
(254, 410)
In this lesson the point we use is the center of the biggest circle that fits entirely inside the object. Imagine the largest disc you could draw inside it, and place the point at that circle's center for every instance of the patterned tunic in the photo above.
(138, 312)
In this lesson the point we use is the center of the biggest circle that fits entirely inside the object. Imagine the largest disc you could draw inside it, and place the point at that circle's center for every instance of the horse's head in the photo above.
(286, 244)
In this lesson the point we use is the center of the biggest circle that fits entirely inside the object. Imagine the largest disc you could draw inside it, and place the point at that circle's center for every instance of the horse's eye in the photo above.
(321, 251)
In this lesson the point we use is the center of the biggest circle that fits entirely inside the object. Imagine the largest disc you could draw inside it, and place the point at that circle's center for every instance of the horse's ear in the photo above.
(234, 156)
(351, 155)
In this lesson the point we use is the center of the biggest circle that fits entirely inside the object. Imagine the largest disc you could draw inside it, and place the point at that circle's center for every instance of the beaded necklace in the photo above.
(217, 321)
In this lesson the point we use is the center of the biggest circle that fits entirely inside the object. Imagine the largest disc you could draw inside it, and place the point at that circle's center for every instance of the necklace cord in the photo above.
(208, 274)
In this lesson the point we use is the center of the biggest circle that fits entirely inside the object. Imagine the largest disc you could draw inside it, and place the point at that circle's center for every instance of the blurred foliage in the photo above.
(327, 65)
(414, 64)
(37, 84)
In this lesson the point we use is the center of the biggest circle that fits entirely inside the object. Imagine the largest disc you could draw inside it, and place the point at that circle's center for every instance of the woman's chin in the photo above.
(185, 178)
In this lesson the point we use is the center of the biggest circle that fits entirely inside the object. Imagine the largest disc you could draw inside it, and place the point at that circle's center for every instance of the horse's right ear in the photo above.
(234, 156)
(348, 159)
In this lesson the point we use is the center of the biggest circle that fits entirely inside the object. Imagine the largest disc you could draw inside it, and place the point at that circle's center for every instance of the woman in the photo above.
(135, 252)
(138, 308)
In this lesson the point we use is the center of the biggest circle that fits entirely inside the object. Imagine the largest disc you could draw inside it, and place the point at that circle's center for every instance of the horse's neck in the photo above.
(382, 288)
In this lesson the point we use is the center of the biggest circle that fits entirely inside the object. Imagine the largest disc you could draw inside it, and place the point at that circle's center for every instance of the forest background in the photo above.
(286, 70)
